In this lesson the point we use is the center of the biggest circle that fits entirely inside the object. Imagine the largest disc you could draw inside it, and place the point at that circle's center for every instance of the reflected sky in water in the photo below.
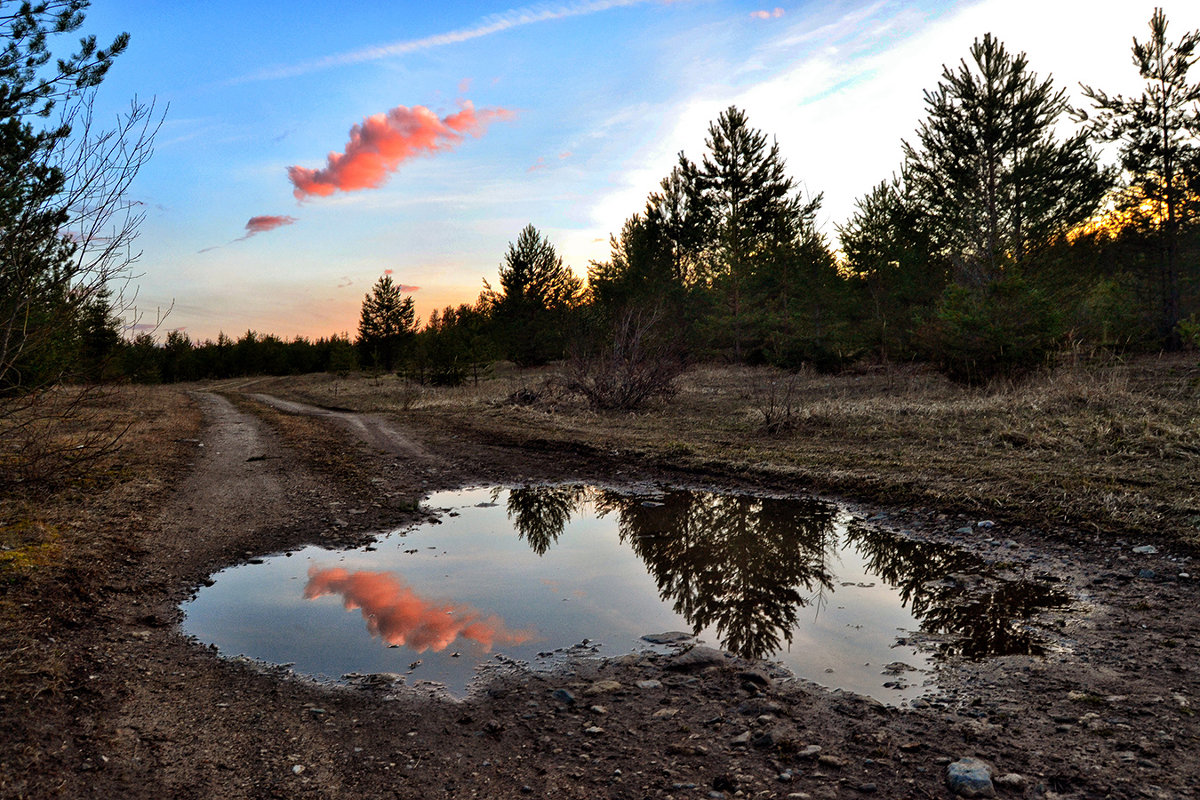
(528, 571)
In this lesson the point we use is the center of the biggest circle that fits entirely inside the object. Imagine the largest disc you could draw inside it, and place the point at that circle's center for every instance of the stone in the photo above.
(665, 713)
(985, 523)
(593, 730)
(970, 777)
(826, 760)
(811, 751)
(965, 530)
(602, 687)
(742, 739)
(695, 659)
(1146, 574)
(564, 696)
(1145, 549)
(649, 684)
(1011, 780)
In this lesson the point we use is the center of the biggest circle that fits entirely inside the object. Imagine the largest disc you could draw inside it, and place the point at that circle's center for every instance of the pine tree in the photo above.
(993, 182)
(388, 320)
(537, 291)
(747, 205)
(1158, 134)
(888, 254)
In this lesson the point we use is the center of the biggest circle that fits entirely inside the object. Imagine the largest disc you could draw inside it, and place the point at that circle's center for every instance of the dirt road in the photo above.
(147, 713)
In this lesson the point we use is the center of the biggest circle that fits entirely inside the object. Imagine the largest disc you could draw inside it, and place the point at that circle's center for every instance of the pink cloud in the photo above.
(404, 287)
(266, 223)
(539, 164)
(565, 154)
(775, 13)
(382, 142)
(396, 614)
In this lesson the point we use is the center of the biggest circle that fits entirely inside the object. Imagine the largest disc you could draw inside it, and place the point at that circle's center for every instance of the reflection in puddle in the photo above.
(396, 614)
(794, 580)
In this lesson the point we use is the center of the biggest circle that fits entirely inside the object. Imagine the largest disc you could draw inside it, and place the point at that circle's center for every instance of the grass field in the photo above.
(1113, 447)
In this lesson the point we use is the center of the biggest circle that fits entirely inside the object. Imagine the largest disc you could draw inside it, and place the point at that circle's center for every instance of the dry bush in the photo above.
(635, 365)
(775, 398)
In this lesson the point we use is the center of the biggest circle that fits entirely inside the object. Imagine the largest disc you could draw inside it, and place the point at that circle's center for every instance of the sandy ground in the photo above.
(137, 710)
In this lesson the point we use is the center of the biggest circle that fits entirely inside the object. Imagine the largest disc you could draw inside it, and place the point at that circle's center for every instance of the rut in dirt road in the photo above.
(372, 429)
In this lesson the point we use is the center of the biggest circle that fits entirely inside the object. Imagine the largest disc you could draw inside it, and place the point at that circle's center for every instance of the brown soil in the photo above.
(100, 695)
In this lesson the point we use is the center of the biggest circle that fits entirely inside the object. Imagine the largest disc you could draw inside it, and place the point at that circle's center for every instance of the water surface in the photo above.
(530, 572)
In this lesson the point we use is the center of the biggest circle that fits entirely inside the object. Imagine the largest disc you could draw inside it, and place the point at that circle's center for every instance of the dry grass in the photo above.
(1112, 447)
(136, 439)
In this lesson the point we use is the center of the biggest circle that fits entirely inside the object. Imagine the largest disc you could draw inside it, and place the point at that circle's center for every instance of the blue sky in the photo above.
(590, 102)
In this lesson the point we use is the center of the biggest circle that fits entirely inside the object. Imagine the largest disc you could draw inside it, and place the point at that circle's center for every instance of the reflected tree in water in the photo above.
(541, 513)
(955, 595)
(742, 565)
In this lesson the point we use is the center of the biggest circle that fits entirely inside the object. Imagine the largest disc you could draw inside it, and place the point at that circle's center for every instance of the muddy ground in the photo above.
(103, 697)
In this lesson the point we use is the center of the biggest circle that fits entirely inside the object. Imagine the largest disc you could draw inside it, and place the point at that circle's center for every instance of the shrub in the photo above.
(633, 364)
(1001, 330)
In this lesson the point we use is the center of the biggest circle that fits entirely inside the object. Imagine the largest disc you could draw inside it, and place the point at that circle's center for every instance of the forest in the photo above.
(1016, 228)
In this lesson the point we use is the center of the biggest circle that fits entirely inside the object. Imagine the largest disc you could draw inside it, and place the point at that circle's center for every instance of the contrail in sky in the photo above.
(494, 23)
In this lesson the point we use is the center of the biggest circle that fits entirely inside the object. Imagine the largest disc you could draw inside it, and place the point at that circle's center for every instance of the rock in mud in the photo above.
(602, 687)
(563, 696)
(970, 777)
(696, 659)
(1012, 781)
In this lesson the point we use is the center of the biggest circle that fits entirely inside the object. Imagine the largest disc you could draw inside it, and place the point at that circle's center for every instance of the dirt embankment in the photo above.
(101, 696)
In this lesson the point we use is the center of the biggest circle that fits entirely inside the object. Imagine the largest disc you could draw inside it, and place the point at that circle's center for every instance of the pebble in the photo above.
(812, 751)
(1146, 549)
(1011, 780)
(965, 530)
(1146, 574)
(297, 769)
(741, 739)
(563, 696)
(602, 687)
(985, 523)
(649, 684)
(970, 777)
(593, 730)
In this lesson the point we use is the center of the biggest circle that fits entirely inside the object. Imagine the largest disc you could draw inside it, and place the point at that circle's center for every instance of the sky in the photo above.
(308, 148)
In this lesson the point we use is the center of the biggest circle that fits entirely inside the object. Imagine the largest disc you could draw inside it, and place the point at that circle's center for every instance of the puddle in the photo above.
(531, 573)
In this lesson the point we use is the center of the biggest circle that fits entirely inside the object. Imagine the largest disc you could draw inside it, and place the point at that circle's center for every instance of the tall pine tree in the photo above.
(1158, 134)
(387, 322)
(993, 180)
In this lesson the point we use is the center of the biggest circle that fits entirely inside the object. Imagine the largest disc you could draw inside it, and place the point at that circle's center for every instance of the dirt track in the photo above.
(150, 714)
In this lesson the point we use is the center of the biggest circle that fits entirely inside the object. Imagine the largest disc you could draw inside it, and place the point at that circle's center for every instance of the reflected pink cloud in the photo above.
(382, 142)
(395, 613)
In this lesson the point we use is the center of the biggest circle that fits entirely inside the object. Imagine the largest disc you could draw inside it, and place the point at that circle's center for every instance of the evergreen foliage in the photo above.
(537, 292)
(1158, 135)
(993, 182)
(386, 324)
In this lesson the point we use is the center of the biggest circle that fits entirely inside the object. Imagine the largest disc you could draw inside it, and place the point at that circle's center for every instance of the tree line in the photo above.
(1001, 238)
(999, 241)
